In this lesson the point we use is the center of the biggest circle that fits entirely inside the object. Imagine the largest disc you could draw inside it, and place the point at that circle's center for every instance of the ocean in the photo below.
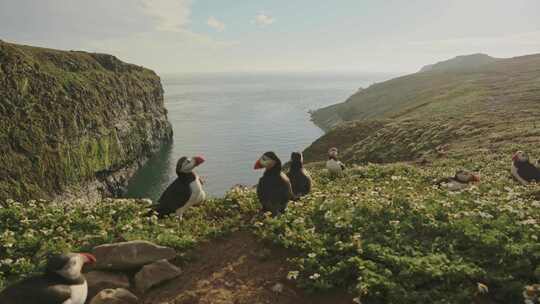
(231, 119)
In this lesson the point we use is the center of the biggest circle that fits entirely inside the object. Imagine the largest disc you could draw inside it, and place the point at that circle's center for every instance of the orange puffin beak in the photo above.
(258, 165)
(515, 157)
(199, 160)
(89, 258)
(476, 178)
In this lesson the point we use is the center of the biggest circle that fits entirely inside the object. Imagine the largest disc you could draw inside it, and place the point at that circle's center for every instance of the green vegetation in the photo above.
(30, 231)
(389, 235)
(469, 108)
(67, 117)
(384, 232)
(451, 91)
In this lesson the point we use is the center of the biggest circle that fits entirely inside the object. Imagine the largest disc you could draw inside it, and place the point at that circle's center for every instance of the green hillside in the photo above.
(482, 107)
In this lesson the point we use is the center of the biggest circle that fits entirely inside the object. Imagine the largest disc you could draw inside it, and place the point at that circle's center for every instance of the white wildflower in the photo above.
(293, 275)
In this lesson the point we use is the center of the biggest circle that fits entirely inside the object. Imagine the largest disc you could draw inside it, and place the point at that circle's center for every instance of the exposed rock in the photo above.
(100, 280)
(130, 255)
(154, 274)
(115, 296)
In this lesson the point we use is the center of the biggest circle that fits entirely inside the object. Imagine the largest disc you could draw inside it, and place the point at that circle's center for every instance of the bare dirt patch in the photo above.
(237, 270)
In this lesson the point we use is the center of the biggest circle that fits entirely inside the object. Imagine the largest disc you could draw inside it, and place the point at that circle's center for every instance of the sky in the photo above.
(186, 36)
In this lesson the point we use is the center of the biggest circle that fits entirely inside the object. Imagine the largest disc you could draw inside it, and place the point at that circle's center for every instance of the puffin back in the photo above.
(176, 195)
(300, 181)
(528, 171)
(41, 289)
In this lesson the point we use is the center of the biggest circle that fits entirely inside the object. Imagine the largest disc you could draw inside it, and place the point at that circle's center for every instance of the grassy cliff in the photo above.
(69, 118)
(470, 107)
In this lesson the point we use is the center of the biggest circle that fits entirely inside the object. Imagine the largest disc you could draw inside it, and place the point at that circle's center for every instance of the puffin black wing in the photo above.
(528, 172)
(300, 181)
(36, 290)
(174, 197)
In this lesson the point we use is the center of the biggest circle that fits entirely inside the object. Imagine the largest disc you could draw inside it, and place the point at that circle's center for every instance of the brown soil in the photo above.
(237, 270)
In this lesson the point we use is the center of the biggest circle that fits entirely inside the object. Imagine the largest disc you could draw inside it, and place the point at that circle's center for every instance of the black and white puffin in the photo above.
(523, 170)
(185, 191)
(334, 166)
(274, 189)
(298, 175)
(459, 181)
(62, 283)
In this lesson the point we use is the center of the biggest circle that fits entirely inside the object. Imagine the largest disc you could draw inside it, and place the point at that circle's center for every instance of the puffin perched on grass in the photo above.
(62, 283)
(523, 170)
(185, 191)
(299, 177)
(274, 189)
(334, 166)
(459, 181)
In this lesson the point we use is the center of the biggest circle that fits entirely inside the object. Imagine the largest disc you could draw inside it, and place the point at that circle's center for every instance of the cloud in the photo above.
(216, 24)
(170, 15)
(263, 19)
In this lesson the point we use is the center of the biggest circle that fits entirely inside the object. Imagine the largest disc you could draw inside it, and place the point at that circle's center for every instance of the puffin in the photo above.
(185, 191)
(523, 170)
(459, 181)
(334, 166)
(299, 177)
(62, 283)
(274, 189)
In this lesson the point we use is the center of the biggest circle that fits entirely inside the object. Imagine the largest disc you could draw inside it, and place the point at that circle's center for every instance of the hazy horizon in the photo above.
(204, 36)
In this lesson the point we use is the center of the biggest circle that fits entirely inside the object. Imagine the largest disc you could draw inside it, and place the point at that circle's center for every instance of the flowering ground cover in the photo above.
(386, 233)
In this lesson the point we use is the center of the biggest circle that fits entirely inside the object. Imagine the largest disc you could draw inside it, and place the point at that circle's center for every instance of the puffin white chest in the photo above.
(334, 167)
(197, 192)
(78, 294)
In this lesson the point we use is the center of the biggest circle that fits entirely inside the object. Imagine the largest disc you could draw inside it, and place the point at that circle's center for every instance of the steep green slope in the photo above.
(71, 118)
(386, 230)
(482, 107)
(444, 92)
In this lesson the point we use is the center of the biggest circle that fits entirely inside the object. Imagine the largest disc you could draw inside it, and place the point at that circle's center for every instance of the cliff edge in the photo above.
(74, 122)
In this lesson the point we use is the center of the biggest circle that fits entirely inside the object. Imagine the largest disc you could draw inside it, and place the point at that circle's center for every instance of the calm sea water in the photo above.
(231, 119)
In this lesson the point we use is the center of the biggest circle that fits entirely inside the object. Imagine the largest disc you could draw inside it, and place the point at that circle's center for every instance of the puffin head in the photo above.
(297, 158)
(520, 156)
(268, 160)
(466, 176)
(69, 265)
(333, 152)
(186, 165)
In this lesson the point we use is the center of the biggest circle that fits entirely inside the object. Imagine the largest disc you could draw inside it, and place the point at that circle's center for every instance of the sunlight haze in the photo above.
(176, 36)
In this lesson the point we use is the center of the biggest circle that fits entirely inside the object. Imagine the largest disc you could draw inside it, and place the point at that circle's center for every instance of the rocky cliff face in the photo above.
(74, 121)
